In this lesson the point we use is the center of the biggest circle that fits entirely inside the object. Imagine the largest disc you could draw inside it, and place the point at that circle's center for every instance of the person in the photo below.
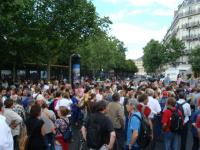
(106, 134)
(116, 114)
(194, 119)
(133, 126)
(35, 130)
(167, 80)
(48, 117)
(186, 114)
(61, 124)
(65, 101)
(13, 120)
(171, 139)
(6, 139)
(155, 112)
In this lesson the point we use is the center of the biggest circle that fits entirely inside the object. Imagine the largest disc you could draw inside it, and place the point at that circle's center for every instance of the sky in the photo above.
(136, 22)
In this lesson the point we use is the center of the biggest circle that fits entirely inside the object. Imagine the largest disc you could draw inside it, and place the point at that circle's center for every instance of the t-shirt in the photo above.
(6, 138)
(105, 125)
(64, 102)
(133, 125)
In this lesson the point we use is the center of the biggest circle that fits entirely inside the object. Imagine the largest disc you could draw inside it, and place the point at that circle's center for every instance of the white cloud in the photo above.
(124, 12)
(171, 4)
(133, 35)
(113, 1)
(163, 12)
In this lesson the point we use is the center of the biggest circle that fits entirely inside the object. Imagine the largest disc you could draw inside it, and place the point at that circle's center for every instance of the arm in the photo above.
(112, 140)
(43, 130)
(133, 138)
(84, 132)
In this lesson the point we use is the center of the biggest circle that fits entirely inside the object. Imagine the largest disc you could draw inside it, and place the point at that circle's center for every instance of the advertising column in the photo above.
(75, 70)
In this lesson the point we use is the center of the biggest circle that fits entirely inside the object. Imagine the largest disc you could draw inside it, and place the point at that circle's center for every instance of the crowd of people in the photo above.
(111, 115)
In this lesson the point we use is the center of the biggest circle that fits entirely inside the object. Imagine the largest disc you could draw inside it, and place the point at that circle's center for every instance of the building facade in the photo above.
(139, 64)
(186, 26)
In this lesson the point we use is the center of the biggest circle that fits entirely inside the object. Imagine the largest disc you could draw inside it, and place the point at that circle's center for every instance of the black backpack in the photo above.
(180, 107)
(144, 136)
(94, 138)
(176, 121)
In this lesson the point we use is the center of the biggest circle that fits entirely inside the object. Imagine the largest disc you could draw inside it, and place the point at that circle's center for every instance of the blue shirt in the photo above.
(133, 125)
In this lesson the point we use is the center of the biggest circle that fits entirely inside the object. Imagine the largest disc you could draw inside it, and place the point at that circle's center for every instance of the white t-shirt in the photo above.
(6, 139)
(154, 106)
(64, 102)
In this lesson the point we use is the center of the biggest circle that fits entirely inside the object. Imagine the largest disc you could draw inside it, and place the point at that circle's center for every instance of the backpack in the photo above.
(180, 107)
(144, 136)
(176, 121)
(94, 139)
(67, 134)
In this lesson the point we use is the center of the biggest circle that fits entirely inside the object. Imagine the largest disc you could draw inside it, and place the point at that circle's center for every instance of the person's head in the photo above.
(143, 99)
(35, 111)
(116, 97)
(131, 106)
(58, 94)
(66, 95)
(8, 103)
(150, 92)
(40, 100)
(101, 106)
(63, 111)
(171, 102)
(181, 95)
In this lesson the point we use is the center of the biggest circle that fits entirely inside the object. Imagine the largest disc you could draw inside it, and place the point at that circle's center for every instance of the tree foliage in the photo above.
(153, 56)
(194, 59)
(49, 31)
(157, 54)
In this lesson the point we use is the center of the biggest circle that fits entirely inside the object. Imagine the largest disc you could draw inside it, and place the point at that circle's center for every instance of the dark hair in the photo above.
(171, 101)
(181, 95)
(142, 98)
(58, 94)
(101, 105)
(116, 97)
(1, 105)
(8, 103)
(63, 111)
(35, 110)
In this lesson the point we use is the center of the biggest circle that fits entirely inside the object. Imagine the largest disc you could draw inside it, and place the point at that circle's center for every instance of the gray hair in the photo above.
(134, 103)
(150, 92)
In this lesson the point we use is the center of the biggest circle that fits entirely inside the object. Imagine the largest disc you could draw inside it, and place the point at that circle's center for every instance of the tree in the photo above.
(194, 59)
(153, 56)
(174, 50)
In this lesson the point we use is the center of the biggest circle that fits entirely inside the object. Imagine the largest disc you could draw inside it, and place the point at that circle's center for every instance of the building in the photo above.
(186, 26)
(139, 64)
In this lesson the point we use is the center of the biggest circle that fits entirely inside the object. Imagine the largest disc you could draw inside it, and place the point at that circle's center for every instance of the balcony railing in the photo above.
(192, 37)
(191, 25)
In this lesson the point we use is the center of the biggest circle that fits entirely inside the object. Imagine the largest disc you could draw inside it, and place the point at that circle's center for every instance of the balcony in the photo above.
(191, 25)
(191, 38)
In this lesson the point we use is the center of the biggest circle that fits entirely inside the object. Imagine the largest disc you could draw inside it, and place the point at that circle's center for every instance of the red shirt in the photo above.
(166, 118)
(147, 110)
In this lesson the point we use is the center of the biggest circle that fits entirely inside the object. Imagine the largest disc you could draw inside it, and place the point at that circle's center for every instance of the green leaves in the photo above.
(157, 54)
(194, 59)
